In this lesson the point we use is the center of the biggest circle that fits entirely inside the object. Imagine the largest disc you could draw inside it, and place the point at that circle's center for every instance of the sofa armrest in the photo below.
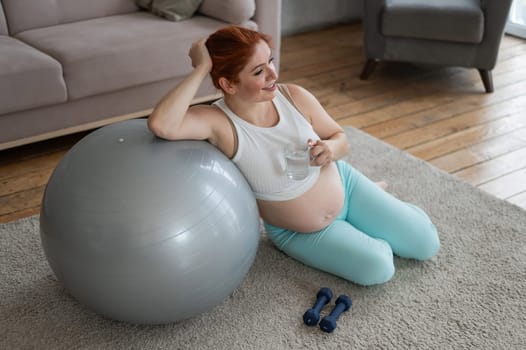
(374, 41)
(268, 18)
(495, 17)
(3, 23)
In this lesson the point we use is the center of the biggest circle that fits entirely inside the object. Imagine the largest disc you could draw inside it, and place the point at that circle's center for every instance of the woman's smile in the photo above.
(271, 87)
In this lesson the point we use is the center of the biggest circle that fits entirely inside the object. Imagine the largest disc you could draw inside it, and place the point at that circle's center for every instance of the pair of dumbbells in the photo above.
(328, 323)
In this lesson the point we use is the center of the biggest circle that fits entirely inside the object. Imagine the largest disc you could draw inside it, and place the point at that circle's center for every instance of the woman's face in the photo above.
(257, 80)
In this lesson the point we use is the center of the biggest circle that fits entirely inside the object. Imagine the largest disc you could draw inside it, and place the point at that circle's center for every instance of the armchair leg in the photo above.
(368, 68)
(487, 79)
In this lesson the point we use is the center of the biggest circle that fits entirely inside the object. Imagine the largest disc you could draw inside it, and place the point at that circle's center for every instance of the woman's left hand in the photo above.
(320, 153)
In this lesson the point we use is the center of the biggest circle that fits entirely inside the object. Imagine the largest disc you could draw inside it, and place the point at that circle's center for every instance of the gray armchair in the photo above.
(464, 33)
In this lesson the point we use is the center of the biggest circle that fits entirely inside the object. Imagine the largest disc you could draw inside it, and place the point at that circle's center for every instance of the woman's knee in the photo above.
(421, 240)
(375, 267)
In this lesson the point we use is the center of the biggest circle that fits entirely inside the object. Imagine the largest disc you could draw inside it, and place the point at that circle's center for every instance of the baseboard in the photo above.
(92, 125)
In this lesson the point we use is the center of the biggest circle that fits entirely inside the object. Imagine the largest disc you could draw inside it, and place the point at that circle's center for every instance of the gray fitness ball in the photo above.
(148, 231)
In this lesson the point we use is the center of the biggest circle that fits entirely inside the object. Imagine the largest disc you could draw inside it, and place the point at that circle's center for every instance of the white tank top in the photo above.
(260, 151)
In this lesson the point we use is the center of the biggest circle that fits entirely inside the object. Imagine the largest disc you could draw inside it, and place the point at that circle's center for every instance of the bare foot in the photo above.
(382, 184)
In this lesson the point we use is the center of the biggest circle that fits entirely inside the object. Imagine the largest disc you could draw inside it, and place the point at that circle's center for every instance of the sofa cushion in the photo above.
(116, 52)
(28, 14)
(230, 11)
(32, 76)
(447, 20)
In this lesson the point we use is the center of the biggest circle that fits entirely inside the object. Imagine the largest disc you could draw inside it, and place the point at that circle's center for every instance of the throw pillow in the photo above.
(174, 10)
(144, 4)
(230, 11)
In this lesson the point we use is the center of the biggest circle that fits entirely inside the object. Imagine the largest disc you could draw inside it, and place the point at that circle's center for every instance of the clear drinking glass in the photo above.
(297, 161)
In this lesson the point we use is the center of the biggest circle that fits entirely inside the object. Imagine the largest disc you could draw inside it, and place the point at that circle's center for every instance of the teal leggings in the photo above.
(359, 245)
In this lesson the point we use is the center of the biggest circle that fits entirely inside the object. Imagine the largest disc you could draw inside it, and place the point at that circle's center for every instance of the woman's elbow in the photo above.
(155, 127)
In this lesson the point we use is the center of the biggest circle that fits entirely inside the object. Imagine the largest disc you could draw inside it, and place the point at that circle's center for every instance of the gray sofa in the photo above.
(465, 33)
(73, 65)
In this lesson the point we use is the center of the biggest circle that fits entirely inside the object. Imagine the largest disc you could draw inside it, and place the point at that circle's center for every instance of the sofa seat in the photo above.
(115, 48)
(446, 20)
(32, 76)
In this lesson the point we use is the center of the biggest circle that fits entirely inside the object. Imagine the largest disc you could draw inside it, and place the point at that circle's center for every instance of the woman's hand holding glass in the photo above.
(320, 153)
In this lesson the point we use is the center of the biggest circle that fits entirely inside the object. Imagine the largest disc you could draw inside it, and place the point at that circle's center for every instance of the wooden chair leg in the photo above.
(368, 68)
(487, 79)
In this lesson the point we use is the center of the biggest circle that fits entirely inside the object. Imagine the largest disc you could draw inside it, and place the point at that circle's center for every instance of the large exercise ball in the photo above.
(145, 230)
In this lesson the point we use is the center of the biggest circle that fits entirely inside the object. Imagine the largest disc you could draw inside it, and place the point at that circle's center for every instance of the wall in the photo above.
(305, 15)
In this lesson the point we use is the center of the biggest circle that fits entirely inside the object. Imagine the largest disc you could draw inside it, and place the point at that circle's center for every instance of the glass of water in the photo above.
(297, 161)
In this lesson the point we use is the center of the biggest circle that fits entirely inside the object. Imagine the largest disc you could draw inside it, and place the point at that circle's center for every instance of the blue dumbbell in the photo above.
(328, 323)
(312, 316)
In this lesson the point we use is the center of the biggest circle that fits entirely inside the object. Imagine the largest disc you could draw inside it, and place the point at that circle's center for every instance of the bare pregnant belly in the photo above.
(313, 210)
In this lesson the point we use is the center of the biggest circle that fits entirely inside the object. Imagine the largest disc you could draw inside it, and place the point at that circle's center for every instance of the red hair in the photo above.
(230, 49)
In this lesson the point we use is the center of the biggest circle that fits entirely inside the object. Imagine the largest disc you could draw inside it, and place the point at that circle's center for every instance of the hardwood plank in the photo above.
(475, 139)
(396, 98)
(518, 199)
(494, 168)
(514, 86)
(305, 71)
(318, 56)
(507, 186)
(433, 84)
(16, 184)
(17, 215)
(511, 110)
(20, 201)
(483, 151)
(26, 166)
(39, 149)
(349, 33)
(509, 49)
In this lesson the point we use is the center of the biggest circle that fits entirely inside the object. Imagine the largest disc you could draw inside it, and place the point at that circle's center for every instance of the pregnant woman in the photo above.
(334, 219)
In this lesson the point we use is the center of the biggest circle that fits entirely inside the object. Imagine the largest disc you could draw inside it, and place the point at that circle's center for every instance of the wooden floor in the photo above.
(440, 115)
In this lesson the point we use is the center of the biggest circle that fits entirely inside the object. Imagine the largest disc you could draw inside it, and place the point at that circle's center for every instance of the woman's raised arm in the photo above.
(173, 118)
